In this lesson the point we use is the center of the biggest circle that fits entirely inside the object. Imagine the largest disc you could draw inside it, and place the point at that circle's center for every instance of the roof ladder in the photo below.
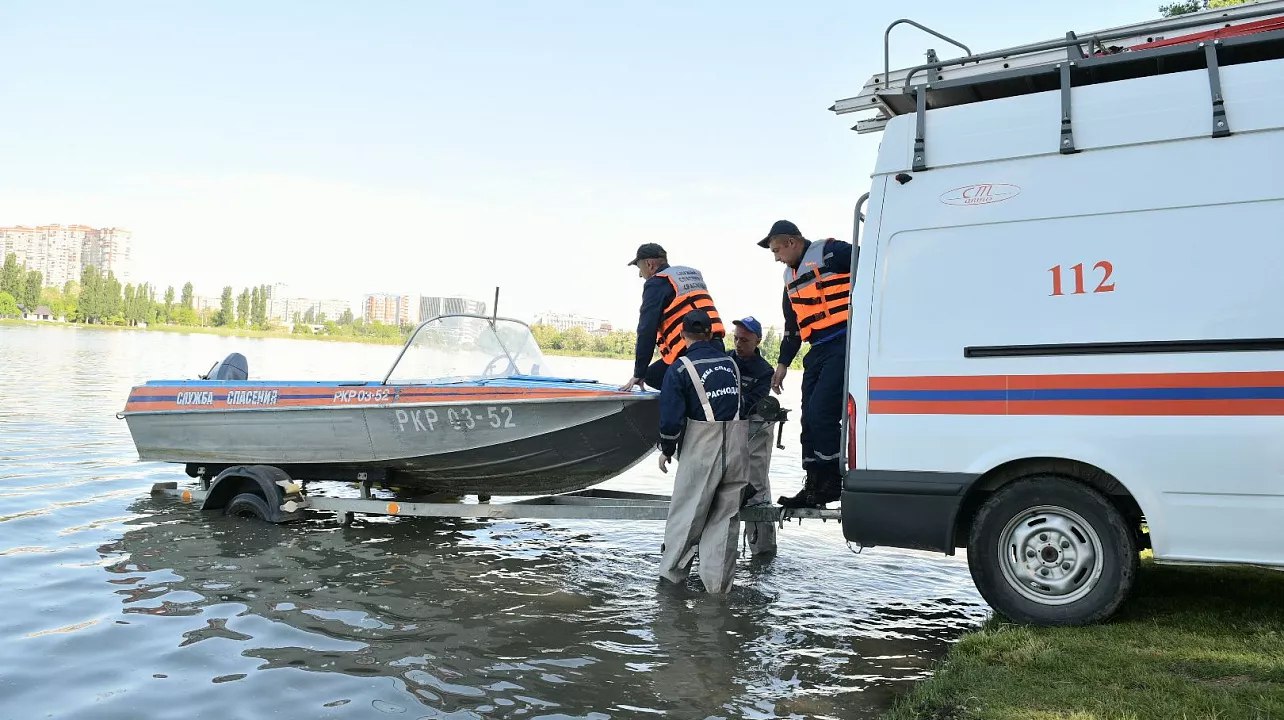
(1067, 129)
(920, 142)
(1221, 125)
(1224, 36)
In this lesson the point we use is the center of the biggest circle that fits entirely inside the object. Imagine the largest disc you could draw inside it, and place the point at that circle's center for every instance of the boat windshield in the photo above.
(467, 347)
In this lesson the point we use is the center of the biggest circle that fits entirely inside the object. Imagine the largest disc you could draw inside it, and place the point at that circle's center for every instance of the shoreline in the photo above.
(277, 334)
(1191, 642)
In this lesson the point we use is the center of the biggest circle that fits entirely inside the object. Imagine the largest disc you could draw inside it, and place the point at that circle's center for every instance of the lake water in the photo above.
(118, 605)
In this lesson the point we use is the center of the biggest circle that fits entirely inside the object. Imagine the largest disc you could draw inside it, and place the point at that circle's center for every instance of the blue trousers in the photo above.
(822, 407)
(654, 375)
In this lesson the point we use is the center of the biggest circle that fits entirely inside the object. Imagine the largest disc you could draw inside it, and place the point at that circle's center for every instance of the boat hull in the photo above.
(494, 441)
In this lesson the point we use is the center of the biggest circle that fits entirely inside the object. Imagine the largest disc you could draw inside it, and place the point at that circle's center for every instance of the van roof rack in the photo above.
(1205, 39)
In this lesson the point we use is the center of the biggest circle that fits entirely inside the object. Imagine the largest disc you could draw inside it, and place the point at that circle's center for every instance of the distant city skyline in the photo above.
(45, 248)
(60, 253)
(433, 305)
(564, 321)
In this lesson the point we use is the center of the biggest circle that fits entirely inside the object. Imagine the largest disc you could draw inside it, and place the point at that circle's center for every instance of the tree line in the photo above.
(19, 287)
(101, 299)
(621, 343)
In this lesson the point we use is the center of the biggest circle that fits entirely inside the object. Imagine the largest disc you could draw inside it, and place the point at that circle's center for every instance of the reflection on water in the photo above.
(149, 608)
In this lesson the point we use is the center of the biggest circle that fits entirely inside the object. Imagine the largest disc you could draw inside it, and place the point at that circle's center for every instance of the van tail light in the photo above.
(851, 432)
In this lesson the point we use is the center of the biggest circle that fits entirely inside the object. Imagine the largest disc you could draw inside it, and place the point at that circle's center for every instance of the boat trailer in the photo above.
(288, 500)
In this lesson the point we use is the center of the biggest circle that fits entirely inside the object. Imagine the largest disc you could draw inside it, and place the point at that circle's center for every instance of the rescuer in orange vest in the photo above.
(817, 293)
(669, 293)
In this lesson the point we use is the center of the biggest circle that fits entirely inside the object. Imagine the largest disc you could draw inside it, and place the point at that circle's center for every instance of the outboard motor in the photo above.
(233, 367)
(769, 410)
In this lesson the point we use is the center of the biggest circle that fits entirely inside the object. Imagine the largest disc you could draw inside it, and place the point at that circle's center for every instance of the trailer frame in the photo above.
(589, 504)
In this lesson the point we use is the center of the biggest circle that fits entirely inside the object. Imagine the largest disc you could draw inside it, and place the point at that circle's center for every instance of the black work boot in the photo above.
(805, 497)
(829, 488)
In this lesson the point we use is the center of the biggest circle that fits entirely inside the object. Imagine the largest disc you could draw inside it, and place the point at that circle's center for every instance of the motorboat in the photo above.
(470, 406)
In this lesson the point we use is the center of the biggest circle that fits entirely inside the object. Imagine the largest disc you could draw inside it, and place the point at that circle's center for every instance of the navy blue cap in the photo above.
(780, 227)
(648, 251)
(697, 321)
(751, 324)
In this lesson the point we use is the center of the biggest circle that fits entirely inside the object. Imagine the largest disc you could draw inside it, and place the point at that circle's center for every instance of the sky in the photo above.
(452, 147)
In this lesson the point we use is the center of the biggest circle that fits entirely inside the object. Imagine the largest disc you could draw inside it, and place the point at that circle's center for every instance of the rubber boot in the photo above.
(805, 496)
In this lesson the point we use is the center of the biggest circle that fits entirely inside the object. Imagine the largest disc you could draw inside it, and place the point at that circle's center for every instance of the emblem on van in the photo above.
(980, 194)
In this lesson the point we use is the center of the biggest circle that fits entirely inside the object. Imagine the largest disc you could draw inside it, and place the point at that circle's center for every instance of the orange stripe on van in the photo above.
(1148, 408)
(1079, 380)
(943, 382)
(1139, 394)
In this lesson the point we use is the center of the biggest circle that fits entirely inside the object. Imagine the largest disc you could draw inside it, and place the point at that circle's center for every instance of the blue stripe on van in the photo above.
(1195, 393)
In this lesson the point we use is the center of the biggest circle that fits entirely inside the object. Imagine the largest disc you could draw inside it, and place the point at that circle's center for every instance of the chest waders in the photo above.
(707, 491)
(760, 536)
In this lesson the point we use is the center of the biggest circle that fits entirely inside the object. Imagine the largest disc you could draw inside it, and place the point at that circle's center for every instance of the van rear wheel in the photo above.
(1046, 550)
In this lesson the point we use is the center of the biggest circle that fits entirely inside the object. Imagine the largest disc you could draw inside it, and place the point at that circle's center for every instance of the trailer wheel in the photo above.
(248, 505)
(1046, 550)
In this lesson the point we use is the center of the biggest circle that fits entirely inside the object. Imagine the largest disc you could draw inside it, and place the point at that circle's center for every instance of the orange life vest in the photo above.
(690, 293)
(818, 296)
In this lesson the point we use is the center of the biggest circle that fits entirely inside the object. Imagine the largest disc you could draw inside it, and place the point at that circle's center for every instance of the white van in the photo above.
(1067, 329)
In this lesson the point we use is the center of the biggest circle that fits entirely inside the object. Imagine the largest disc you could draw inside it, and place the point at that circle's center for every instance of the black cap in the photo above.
(697, 321)
(780, 227)
(649, 251)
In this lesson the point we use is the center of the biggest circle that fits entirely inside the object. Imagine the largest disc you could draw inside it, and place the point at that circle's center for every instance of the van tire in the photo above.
(248, 505)
(1046, 550)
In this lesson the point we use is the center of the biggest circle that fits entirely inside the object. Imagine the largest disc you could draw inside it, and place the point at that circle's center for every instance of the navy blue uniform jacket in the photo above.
(755, 380)
(657, 293)
(678, 397)
(837, 258)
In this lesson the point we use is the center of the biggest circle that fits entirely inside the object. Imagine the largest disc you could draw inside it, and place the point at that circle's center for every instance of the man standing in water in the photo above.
(755, 382)
(700, 410)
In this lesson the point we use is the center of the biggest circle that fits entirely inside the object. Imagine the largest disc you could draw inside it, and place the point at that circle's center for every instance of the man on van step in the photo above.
(700, 410)
(669, 293)
(817, 287)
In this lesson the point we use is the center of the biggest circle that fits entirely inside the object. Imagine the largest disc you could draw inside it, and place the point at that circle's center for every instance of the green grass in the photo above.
(1190, 643)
